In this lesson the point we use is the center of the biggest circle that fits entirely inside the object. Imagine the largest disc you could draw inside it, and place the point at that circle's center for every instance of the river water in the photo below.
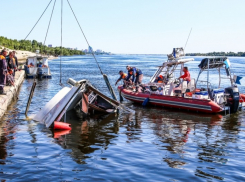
(154, 144)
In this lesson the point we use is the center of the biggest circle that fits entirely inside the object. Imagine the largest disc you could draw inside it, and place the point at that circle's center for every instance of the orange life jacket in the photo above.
(2, 57)
(124, 75)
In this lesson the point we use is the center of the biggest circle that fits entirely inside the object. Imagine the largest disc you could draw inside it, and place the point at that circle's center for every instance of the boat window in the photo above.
(31, 61)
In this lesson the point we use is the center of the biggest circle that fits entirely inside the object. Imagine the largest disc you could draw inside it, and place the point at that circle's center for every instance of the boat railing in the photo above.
(205, 83)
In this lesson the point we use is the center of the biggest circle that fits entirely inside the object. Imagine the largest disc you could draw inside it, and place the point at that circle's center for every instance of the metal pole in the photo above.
(219, 78)
(208, 75)
(198, 78)
(30, 97)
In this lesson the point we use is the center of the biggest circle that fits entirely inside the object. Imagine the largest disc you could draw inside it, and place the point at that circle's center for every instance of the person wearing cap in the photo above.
(122, 76)
(3, 71)
(136, 74)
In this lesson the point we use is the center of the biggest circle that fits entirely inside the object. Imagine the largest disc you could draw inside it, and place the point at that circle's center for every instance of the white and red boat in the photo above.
(173, 93)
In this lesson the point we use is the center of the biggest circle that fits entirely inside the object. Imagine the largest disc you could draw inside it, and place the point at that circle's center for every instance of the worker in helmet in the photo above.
(159, 79)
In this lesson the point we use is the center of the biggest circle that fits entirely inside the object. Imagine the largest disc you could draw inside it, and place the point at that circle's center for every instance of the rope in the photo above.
(85, 38)
(38, 20)
(61, 50)
(49, 23)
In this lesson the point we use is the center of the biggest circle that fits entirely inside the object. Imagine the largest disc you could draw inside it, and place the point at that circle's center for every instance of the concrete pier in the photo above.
(11, 91)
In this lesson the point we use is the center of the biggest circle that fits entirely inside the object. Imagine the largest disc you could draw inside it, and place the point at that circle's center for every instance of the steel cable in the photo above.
(38, 19)
(61, 51)
(85, 37)
(49, 23)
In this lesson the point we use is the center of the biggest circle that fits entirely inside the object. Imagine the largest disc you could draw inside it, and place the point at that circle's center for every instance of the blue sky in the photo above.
(132, 26)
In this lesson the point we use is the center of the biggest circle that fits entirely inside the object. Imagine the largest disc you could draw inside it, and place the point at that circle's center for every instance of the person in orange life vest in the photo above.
(136, 74)
(123, 77)
(159, 79)
(186, 76)
(3, 71)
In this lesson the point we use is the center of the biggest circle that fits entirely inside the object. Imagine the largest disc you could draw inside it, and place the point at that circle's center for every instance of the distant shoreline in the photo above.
(228, 54)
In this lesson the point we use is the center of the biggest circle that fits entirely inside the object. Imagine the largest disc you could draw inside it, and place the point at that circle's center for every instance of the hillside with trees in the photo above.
(230, 54)
(32, 46)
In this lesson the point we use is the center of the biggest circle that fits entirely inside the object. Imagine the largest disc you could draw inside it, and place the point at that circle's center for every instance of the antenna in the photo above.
(187, 39)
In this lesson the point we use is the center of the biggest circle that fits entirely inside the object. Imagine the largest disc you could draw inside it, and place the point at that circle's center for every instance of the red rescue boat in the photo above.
(171, 92)
(201, 105)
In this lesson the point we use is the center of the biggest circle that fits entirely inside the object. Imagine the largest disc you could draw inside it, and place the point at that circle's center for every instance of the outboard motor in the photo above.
(39, 73)
(233, 98)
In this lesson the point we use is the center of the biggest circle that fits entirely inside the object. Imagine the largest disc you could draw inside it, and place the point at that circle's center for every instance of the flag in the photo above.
(227, 63)
(237, 79)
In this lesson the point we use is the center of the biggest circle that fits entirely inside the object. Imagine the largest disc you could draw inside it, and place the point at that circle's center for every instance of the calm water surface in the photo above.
(154, 144)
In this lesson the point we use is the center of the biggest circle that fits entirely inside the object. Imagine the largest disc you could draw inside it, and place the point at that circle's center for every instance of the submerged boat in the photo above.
(81, 97)
(37, 67)
(174, 93)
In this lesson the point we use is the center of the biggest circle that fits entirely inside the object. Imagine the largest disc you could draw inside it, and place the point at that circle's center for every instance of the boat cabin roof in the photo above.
(215, 62)
(176, 62)
(37, 60)
(38, 57)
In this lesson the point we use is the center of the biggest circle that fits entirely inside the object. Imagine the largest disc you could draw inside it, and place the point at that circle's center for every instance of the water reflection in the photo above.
(95, 133)
(132, 122)
(7, 133)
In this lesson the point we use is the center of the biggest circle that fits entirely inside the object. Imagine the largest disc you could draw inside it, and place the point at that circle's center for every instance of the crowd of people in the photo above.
(8, 67)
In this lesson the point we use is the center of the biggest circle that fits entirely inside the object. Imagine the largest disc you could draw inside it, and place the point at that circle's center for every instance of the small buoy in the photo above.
(61, 126)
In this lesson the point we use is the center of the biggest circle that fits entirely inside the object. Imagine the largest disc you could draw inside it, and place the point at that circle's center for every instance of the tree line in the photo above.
(32, 46)
(238, 54)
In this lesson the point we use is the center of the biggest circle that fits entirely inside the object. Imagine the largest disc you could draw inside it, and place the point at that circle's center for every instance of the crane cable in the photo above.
(61, 34)
(49, 23)
(38, 19)
(85, 37)
(104, 75)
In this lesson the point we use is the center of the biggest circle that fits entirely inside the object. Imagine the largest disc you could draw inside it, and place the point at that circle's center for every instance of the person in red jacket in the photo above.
(186, 76)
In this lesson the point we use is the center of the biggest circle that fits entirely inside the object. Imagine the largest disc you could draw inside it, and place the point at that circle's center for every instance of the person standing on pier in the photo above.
(3, 71)
(16, 61)
(11, 63)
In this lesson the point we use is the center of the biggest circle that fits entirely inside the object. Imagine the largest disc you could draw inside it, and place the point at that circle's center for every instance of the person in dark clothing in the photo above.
(136, 74)
(16, 61)
(11, 64)
(3, 71)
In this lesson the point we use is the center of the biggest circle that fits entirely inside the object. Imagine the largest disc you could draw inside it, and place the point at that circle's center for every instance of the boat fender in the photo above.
(146, 101)
(61, 126)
